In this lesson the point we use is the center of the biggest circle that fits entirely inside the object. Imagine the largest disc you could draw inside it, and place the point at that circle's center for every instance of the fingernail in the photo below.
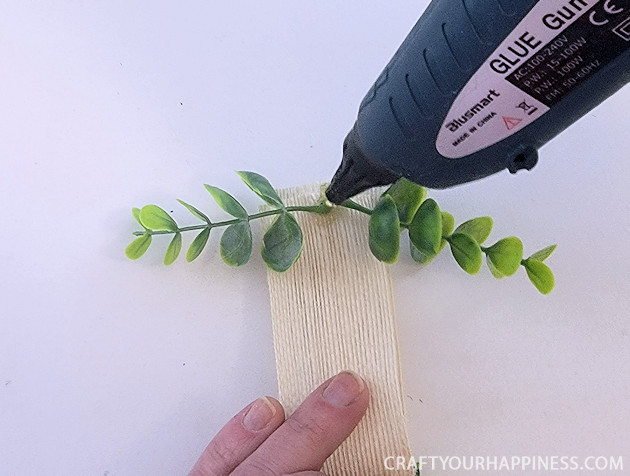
(344, 389)
(259, 414)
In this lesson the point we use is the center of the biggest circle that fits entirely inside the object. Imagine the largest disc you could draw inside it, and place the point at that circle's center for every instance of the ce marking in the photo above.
(610, 8)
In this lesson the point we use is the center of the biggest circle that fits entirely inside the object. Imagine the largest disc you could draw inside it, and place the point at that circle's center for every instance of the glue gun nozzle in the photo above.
(356, 172)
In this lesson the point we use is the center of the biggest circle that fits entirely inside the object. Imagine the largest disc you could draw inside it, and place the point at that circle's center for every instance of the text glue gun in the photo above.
(479, 86)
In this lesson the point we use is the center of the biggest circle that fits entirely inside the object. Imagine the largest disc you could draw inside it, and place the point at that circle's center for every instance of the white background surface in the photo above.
(110, 367)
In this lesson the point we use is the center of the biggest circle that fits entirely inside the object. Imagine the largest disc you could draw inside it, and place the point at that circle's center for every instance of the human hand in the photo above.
(259, 441)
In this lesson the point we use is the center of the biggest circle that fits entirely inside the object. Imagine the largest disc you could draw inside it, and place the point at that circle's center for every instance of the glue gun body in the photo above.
(479, 86)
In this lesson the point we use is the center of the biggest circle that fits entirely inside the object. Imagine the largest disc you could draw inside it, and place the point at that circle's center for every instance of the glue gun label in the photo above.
(554, 49)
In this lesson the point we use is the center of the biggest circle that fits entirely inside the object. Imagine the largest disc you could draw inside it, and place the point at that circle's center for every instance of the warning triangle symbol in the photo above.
(511, 122)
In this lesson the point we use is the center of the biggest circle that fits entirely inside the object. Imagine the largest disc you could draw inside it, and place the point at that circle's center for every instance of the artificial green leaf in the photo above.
(136, 214)
(282, 243)
(408, 197)
(198, 244)
(466, 252)
(493, 269)
(506, 255)
(236, 244)
(425, 230)
(261, 187)
(448, 223)
(195, 211)
(479, 228)
(543, 254)
(540, 275)
(138, 246)
(227, 202)
(154, 218)
(384, 229)
(172, 252)
(418, 256)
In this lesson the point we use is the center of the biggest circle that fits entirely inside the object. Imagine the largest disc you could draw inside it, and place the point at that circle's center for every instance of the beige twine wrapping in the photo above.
(334, 310)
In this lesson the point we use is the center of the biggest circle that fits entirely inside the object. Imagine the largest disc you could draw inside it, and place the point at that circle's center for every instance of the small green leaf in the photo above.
(236, 244)
(136, 214)
(493, 269)
(540, 275)
(198, 244)
(172, 252)
(385, 230)
(227, 202)
(479, 228)
(138, 246)
(282, 243)
(543, 254)
(425, 230)
(196, 213)
(408, 197)
(261, 187)
(154, 218)
(418, 256)
(448, 223)
(506, 255)
(466, 252)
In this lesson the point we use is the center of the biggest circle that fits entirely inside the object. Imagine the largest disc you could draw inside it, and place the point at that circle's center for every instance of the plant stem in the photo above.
(355, 206)
(320, 209)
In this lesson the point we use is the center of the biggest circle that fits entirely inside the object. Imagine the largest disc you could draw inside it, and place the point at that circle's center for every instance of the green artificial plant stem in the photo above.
(320, 209)
(402, 208)
(355, 206)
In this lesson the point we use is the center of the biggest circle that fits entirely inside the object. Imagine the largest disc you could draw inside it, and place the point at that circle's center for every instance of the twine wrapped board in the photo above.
(334, 310)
